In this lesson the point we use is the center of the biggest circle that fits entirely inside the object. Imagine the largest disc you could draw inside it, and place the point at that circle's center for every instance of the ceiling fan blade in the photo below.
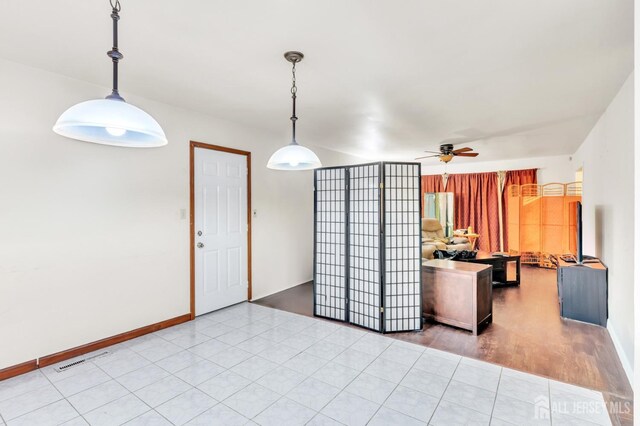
(428, 156)
(459, 150)
(467, 154)
(433, 152)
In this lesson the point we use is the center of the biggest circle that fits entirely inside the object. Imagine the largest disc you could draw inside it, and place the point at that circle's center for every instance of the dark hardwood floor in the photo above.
(527, 334)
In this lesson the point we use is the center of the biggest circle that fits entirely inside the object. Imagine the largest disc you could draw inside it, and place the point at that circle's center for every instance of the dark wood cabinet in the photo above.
(583, 292)
(457, 293)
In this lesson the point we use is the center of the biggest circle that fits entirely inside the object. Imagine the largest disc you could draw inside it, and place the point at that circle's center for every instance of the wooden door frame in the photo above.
(192, 146)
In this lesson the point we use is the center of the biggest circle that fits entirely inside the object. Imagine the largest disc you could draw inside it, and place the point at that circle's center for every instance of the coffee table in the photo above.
(499, 265)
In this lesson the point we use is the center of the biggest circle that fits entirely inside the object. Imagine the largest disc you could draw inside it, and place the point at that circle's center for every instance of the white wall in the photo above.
(550, 169)
(91, 239)
(636, 379)
(636, 90)
(607, 156)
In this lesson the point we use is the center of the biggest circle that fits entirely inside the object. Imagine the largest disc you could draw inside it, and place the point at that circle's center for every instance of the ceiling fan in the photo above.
(447, 153)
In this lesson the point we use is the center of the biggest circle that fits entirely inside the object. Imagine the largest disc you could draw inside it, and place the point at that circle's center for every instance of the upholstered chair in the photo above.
(433, 239)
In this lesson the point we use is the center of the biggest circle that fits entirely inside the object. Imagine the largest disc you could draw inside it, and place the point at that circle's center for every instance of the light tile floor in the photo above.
(249, 364)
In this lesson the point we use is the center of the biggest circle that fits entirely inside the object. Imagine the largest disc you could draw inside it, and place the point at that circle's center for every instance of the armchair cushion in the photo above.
(431, 229)
(428, 250)
(433, 239)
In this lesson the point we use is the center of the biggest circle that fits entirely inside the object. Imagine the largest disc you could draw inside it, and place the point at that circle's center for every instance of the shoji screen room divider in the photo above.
(367, 247)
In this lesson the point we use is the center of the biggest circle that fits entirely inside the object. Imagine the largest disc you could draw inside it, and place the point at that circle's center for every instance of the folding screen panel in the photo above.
(367, 255)
(552, 215)
(513, 218)
(402, 281)
(364, 246)
(330, 261)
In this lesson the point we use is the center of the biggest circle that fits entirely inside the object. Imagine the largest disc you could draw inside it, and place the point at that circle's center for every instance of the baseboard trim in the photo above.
(16, 370)
(25, 367)
(626, 365)
(113, 340)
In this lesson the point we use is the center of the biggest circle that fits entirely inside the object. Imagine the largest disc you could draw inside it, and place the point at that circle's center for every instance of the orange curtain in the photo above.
(432, 183)
(514, 177)
(476, 205)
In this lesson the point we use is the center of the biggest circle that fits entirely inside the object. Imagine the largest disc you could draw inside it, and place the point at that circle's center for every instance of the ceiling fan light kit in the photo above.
(294, 156)
(445, 158)
(111, 121)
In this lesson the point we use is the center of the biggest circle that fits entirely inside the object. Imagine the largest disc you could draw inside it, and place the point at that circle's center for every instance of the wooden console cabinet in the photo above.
(457, 293)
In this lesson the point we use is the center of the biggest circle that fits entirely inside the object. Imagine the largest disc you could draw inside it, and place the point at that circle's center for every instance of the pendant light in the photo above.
(294, 156)
(111, 121)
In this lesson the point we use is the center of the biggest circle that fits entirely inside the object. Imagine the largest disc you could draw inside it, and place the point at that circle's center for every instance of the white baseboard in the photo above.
(628, 367)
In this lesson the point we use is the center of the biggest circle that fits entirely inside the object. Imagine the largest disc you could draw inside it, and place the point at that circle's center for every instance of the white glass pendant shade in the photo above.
(110, 122)
(294, 157)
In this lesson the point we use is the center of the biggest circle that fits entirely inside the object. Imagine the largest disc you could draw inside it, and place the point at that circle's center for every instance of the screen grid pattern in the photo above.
(402, 287)
(364, 246)
(330, 281)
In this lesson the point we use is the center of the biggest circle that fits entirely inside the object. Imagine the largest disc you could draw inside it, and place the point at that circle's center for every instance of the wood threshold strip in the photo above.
(28, 366)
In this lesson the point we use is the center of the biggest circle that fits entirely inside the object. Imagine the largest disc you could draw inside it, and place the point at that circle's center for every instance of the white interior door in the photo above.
(220, 215)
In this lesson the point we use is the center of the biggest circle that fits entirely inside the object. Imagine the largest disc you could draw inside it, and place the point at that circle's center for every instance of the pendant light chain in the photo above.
(111, 121)
(114, 53)
(294, 90)
(293, 156)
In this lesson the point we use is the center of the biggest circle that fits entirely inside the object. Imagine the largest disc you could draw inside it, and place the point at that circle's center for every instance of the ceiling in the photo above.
(380, 79)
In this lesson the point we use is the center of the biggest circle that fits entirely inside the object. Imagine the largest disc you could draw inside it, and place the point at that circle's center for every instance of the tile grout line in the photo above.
(115, 380)
(22, 393)
(111, 378)
(252, 381)
(398, 384)
(345, 387)
(284, 396)
(218, 402)
(445, 389)
(63, 398)
(129, 392)
(473, 386)
(495, 398)
(550, 405)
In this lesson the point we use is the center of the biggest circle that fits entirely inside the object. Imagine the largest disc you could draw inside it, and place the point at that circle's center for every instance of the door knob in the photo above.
(200, 245)
(199, 233)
